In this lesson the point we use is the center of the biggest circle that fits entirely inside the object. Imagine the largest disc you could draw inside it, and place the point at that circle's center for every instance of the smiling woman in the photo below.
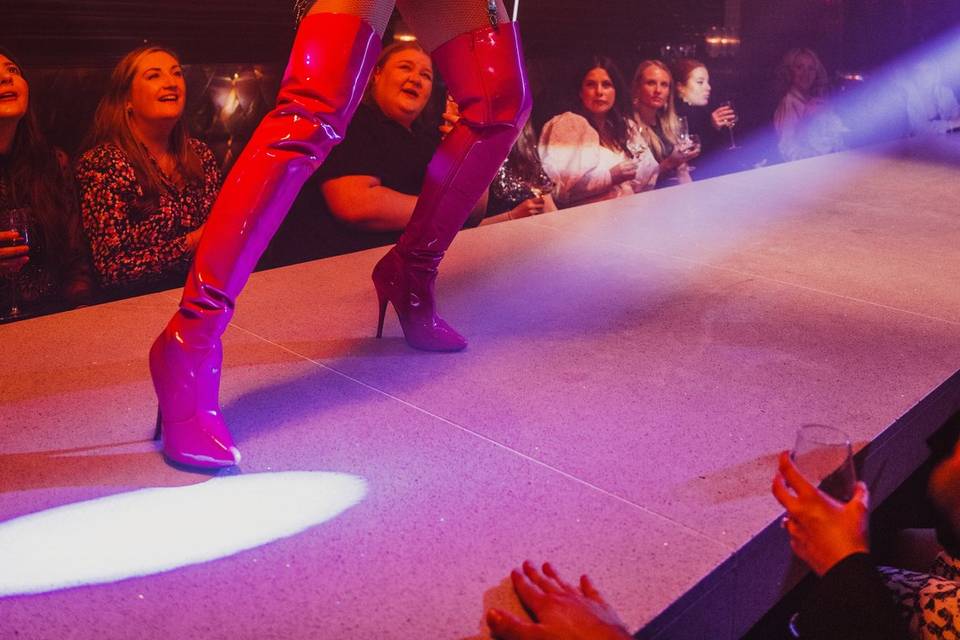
(146, 187)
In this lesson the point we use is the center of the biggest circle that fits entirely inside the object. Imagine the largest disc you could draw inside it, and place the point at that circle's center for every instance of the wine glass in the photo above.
(683, 133)
(635, 146)
(14, 220)
(824, 456)
(731, 123)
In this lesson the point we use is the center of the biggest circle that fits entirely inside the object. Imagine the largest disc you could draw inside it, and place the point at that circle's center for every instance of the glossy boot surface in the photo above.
(330, 63)
(485, 75)
(408, 286)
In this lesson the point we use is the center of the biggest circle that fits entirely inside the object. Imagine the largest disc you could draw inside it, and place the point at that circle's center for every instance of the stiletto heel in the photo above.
(486, 78)
(383, 299)
(156, 433)
(333, 55)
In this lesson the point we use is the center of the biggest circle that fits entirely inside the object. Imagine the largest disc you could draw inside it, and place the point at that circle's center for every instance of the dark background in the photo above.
(69, 47)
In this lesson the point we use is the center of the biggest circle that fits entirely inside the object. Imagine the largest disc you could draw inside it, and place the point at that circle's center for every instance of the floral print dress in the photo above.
(134, 242)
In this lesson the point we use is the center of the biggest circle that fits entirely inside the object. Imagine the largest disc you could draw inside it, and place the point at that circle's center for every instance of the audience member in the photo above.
(594, 152)
(521, 187)
(806, 126)
(365, 192)
(146, 187)
(656, 115)
(931, 106)
(50, 271)
(692, 82)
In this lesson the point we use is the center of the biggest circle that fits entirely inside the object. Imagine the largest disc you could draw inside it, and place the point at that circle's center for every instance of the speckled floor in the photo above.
(634, 367)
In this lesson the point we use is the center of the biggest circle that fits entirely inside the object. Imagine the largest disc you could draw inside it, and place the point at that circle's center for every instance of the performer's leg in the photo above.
(330, 63)
(483, 68)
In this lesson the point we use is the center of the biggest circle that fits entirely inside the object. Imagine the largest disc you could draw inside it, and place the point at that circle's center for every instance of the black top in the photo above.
(57, 277)
(374, 145)
(851, 602)
(715, 157)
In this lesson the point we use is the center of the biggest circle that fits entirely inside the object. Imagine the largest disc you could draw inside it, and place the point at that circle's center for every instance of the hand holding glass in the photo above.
(824, 457)
(731, 122)
(14, 221)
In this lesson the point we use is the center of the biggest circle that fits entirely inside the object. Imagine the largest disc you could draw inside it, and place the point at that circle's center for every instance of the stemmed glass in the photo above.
(823, 455)
(731, 123)
(16, 220)
(683, 133)
(635, 146)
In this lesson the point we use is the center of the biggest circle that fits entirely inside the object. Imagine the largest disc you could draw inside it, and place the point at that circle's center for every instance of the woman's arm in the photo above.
(364, 202)
(569, 150)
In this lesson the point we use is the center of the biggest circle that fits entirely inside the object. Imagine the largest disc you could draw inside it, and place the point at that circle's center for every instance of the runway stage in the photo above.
(634, 367)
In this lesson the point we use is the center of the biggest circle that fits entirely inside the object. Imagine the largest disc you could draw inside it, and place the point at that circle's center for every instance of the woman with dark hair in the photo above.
(477, 51)
(49, 270)
(593, 152)
(655, 114)
(146, 187)
(806, 126)
(692, 82)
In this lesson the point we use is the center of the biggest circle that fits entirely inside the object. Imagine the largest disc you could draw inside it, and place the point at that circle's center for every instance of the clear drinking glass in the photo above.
(683, 133)
(824, 457)
(14, 220)
(731, 123)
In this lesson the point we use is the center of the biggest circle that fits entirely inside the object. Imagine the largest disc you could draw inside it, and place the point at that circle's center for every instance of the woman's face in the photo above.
(696, 90)
(158, 92)
(401, 88)
(803, 73)
(14, 91)
(654, 88)
(597, 92)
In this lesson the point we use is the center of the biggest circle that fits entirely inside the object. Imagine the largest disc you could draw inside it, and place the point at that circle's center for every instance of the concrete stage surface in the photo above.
(634, 368)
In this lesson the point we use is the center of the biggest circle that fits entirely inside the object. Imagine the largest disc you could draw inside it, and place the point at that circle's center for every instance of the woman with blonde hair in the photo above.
(804, 122)
(656, 115)
(146, 187)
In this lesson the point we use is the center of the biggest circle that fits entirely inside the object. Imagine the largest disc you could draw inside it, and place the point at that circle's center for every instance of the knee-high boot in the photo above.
(331, 61)
(485, 75)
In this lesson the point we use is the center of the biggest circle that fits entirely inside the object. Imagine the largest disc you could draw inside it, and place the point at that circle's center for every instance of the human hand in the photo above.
(624, 171)
(560, 610)
(13, 257)
(692, 150)
(823, 531)
(723, 116)
(450, 115)
(193, 238)
(529, 207)
(672, 161)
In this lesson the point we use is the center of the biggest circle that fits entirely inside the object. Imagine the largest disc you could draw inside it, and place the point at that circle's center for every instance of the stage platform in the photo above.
(634, 368)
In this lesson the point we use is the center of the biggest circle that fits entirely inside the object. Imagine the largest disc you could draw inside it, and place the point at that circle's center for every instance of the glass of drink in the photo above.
(17, 221)
(824, 457)
(731, 123)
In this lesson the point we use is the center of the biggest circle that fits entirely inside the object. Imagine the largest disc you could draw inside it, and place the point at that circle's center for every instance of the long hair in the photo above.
(112, 124)
(666, 116)
(784, 73)
(682, 69)
(524, 157)
(39, 180)
(613, 133)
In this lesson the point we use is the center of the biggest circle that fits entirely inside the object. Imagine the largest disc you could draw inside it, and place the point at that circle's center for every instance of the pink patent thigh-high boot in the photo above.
(485, 75)
(331, 61)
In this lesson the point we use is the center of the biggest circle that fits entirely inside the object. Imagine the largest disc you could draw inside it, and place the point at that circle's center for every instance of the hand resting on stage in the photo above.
(560, 611)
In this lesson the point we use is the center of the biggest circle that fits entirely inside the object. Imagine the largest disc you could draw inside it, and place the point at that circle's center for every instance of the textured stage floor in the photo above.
(634, 367)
